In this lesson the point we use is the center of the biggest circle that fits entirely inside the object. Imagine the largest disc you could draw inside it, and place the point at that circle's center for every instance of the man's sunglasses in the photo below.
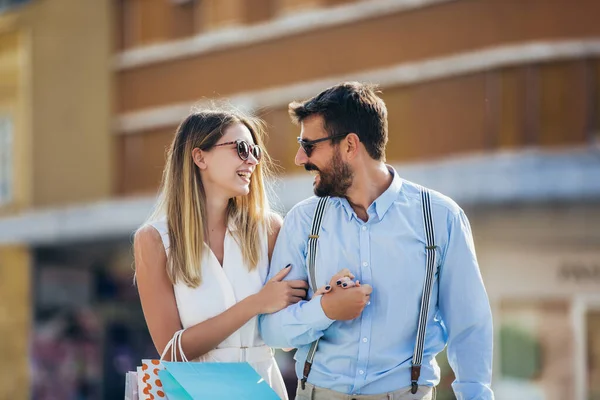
(244, 149)
(309, 145)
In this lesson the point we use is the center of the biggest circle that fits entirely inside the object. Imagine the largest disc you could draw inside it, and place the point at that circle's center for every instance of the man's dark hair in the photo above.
(349, 107)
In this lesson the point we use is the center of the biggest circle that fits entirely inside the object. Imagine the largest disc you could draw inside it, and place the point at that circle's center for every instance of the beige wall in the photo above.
(70, 100)
(368, 44)
(538, 251)
(445, 117)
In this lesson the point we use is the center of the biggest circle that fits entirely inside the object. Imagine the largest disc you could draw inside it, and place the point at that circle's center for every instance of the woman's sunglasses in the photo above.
(244, 149)
(309, 145)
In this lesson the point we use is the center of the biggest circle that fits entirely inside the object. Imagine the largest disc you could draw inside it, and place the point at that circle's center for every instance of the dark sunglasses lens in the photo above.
(308, 148)
(243, 150)
(257, 152)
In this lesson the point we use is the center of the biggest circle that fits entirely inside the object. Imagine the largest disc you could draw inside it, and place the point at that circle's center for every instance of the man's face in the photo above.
(333, 174)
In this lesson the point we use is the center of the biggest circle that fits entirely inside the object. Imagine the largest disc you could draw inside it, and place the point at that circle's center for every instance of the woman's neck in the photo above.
(216, 210)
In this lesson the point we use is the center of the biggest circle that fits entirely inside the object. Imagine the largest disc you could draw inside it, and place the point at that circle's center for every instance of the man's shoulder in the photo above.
(304, 209)
(303, 212)
(438, 200)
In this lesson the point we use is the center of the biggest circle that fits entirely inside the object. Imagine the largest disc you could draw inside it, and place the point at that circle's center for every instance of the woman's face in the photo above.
(225, 169)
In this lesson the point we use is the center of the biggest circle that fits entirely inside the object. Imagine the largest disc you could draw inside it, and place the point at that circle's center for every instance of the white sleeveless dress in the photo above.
(220, 289)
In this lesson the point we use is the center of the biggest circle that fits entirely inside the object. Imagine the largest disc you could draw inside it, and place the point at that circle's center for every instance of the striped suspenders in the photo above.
(415, 370)
(312, 273)
(417, 358)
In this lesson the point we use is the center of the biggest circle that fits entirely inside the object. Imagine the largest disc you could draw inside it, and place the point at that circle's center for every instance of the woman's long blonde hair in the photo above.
(182, 199)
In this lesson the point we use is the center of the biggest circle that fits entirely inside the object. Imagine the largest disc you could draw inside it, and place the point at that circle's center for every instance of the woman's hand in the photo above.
(277, 294)
(343, 279)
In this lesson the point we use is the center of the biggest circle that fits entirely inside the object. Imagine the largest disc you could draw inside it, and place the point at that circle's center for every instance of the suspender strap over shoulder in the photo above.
(430, 247)
(312, 274)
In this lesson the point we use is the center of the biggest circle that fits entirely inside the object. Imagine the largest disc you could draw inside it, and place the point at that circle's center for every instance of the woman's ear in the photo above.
(198, 156)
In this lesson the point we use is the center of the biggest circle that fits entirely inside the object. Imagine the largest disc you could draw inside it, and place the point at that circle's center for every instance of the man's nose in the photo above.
(301, 157)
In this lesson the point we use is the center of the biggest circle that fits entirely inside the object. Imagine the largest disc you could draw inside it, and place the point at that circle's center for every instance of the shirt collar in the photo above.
(387, 198)
(383, 203)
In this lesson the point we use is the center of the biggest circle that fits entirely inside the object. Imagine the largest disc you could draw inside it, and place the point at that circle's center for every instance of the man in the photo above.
(374, 227)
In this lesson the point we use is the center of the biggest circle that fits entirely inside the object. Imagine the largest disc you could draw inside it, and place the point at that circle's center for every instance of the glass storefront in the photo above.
(89, 328)
(593, 354)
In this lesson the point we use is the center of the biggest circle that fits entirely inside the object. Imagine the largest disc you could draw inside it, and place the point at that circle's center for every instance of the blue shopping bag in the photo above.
(214, 381)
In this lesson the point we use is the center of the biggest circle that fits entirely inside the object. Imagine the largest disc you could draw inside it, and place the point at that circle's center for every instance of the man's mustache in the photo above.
(311, 167)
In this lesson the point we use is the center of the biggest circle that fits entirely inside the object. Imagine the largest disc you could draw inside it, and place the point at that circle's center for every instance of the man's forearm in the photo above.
(470, 354)
(297, 325)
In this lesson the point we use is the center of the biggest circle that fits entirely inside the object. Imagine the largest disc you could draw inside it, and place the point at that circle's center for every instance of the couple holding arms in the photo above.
(369, 280)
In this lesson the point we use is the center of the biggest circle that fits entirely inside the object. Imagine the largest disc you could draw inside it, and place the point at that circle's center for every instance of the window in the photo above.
(6, 159)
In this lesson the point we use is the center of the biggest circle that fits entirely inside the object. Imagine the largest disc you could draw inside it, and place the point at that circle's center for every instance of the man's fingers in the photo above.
(282, 274)
(366, 288)
(345, 273)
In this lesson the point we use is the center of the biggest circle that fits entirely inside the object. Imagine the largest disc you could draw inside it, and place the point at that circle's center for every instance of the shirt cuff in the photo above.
(318, 320)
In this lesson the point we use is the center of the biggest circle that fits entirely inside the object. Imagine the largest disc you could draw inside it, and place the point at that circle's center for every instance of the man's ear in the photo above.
(198, 158)
(352, 145)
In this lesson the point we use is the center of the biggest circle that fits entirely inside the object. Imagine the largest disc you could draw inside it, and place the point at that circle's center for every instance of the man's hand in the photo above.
(344, 304)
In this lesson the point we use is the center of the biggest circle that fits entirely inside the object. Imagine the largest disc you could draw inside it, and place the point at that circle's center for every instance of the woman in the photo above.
(202, 258)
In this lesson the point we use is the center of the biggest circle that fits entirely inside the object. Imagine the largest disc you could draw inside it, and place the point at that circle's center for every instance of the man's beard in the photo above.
(333, 181)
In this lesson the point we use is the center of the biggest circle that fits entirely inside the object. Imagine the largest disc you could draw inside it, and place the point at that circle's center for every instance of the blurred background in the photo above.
(492, 102)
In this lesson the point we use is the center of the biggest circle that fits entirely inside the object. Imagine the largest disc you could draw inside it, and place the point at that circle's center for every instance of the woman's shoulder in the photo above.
(148, 246)
(156, 231)
(147, 235)
(274, 222)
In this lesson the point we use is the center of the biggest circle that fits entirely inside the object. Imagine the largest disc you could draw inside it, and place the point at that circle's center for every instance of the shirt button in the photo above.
(364, 228)
(365, 264)
(365, 340)
(361, 372)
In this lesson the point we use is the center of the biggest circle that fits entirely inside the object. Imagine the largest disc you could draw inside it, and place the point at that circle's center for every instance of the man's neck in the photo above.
(368, 184)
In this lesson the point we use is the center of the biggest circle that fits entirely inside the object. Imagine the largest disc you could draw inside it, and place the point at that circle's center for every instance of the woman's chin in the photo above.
(242, 191)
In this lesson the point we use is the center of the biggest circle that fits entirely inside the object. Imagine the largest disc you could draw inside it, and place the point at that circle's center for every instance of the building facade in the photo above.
(494, 103)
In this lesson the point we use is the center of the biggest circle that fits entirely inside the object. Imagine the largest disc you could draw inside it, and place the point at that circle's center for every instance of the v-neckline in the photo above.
(212, 253)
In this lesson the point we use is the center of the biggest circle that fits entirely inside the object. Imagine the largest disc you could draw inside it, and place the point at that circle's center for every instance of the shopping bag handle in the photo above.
(175, 345)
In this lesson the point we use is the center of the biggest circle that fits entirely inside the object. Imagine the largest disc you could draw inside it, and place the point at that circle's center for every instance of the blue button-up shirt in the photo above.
(372, 354)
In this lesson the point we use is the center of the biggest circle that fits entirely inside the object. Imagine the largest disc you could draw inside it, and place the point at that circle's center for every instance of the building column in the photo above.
(216, 14)
(15, 326)
(150, 21)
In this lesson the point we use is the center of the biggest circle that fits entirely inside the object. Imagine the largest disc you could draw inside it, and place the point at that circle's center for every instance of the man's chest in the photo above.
(388, 257)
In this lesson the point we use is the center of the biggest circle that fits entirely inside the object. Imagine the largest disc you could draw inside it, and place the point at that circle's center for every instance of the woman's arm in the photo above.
(275, 222)
(160, 308)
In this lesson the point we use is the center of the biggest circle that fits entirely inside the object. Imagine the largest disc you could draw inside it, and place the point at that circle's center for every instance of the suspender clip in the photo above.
(415, 372)
(414, 387)
(305, 372)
